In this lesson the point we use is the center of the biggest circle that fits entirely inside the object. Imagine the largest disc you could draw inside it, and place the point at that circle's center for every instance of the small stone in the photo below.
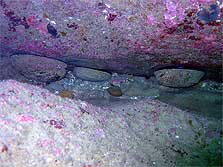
(115, 91)
(39, 68)
(178, 78)
(93, 75)
(66, 94)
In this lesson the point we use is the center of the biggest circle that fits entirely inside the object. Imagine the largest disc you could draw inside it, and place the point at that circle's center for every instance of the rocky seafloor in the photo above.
(104, 83)
(54, 131)
(80, 123)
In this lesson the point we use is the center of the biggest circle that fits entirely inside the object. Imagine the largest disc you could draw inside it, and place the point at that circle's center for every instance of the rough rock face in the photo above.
(38, 68)
(7, 71)
(127, 36)
(62, 132)
(178, 77)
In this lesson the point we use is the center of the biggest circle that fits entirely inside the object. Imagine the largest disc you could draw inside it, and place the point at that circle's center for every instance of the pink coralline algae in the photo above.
(57, 152)
(206, 1)
(99, 133)
(151, 20)
(25, 118)
(34, 22)
(14, 20)
(107, 10)
(142, 33)
(174, 13)
(197, 3)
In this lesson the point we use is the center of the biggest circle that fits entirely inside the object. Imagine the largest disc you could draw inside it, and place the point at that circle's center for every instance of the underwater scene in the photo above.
(104, 83)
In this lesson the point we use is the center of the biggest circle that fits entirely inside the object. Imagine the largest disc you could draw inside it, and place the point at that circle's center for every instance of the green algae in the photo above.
(201, 102)
(208, 155)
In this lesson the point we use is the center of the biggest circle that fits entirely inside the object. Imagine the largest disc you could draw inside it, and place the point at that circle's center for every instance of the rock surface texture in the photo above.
(57, 131)
(38, 68)
(178, 77)
(126, 36)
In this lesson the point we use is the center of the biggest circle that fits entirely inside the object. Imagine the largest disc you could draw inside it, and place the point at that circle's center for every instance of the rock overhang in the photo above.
(128, 36)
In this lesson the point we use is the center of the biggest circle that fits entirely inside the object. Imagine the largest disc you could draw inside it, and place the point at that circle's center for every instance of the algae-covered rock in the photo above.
(178, 77)
(89, 74)
(39, 68)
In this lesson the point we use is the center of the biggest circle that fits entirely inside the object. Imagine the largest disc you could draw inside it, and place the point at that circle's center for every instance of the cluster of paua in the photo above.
(42, 69)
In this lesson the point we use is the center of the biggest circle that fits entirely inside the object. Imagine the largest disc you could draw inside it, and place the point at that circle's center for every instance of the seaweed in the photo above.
(209, 155)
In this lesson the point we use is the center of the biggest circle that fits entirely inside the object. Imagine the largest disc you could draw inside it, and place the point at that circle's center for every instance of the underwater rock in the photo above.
(89, 74)
(63, 132)
(178, 77)
(39, 68)
(7, 71)
(209, 14)
(115, 91)
(157, 33)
